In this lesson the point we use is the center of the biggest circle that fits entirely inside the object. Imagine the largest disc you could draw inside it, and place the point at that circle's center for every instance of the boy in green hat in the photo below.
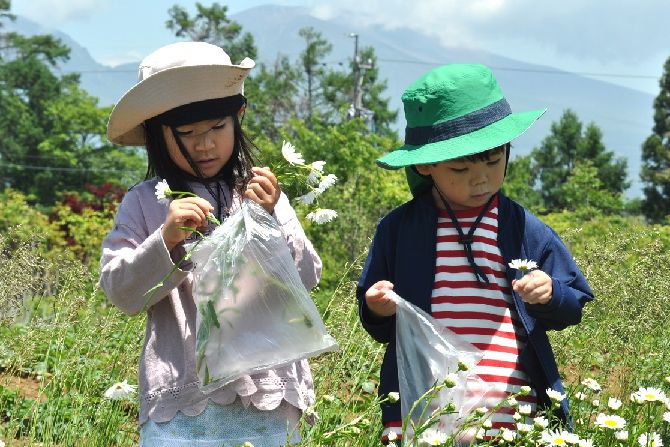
(450, 249)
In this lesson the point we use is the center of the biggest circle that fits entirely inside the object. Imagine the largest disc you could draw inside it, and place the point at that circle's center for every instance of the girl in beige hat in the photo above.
(185, 109)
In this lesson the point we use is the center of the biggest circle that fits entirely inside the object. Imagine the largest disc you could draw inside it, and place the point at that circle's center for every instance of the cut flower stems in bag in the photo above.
(438, 387)
(254, 313)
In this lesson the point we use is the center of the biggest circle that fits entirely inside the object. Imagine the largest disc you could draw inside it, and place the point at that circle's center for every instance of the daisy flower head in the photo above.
(648, 395)
(322, 215)
(551, 437)
(541, 422)
(525, 409)
(666, 416)
(621, 435)
(585, 443)
(524, 390)
(307, 198)
(579, 395)
(650, 440)
(368, 387)
(291, 155)
(508, 435)
(120, 391)
(591, 384)
(451, 380)
(326, 182)
(613, 422)
(614, 403)
(163, 192)
(481, 411)
(523, 265)
(555, 396)
(432, 436)
(524, 428)
(394, 396)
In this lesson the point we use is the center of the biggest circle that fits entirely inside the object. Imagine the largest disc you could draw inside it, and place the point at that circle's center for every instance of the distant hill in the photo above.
(624, 115)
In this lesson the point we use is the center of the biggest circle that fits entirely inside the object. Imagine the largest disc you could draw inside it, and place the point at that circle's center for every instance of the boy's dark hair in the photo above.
(486, 155)
(236, 173)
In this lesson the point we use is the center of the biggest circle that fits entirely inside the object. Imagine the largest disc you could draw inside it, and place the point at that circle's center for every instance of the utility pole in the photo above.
(356, 109)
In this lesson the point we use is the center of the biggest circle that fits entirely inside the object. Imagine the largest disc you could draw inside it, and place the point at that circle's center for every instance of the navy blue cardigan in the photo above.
(403, 251)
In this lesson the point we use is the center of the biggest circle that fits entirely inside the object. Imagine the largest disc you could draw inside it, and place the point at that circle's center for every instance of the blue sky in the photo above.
(620, 41)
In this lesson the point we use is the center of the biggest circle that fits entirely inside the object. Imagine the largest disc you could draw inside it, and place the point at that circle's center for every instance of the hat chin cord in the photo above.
(467, 239)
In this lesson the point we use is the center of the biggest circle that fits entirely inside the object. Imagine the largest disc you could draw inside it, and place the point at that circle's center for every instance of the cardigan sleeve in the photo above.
(376, 268)
(570, 290)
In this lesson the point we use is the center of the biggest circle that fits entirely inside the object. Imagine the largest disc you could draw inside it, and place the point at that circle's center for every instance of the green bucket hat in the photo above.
(453, 111)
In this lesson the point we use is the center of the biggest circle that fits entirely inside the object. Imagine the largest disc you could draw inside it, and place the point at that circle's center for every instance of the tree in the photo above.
(52, 132)
(338, 91)
(519, 182)
(317, 48)
(212, 25)
(655, 171)
(585, 193)
(565, 147)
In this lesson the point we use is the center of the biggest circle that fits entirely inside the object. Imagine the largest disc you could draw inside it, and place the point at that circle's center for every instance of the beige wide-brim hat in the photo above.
(172, 76)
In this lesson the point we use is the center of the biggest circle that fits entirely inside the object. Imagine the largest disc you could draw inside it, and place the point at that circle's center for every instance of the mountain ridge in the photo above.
(624, 115)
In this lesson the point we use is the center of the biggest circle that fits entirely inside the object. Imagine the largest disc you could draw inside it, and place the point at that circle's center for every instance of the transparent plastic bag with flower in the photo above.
(431, 356)
(254, 313)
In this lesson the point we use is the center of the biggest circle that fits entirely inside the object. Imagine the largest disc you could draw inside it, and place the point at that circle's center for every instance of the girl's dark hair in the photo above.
(236, 173)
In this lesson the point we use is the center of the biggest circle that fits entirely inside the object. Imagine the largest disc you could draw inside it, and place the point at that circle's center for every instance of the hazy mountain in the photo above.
(624, 115)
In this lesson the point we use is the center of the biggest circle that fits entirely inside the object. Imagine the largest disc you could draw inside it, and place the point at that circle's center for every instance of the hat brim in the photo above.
(168, 89)
(489, 137)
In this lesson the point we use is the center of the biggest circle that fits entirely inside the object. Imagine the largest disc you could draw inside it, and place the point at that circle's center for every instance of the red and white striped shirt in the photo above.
(483, 314)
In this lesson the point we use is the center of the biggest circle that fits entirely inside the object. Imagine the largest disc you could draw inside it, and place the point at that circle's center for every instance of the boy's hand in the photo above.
(534, 287)
(187, 212)
(377, 301)
(263, 189)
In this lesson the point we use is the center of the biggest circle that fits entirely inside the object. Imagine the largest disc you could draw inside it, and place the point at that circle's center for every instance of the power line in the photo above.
(532, 70)
(57, 169)
(416, 62)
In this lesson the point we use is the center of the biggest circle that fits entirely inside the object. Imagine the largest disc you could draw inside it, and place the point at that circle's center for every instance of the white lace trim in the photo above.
(266, 391)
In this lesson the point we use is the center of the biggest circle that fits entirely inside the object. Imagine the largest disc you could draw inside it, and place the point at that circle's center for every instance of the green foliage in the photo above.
(567, 146)
(362, 195)
(585, 193)
(53, 133)
(211, 24)
(655, 171)
(519, 181)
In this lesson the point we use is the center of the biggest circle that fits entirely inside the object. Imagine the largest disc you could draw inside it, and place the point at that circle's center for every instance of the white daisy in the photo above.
(291, 155)
(666, 416)
(541, 422)
(451, 380)
(524, 428)
(551, 437)
(525, 409)
(580, 395)
(591, 384)
(613, 422)
(648, 395)
(368, 387)
(585, 443)
(432, 437)
(614, 403)
(120, 391)
(555, 396)
(322, 215)
(326, 182)
(621, 435)
(394, 397)
(163, 192)
(307, 199)
(508, 435)
(650, 440)
(523, 264)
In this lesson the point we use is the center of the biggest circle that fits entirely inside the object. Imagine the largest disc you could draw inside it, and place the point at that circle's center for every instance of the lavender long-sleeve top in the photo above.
(135, 258)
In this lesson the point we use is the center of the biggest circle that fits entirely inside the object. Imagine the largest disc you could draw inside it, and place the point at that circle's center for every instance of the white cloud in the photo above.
(52, 13)
(602, 30)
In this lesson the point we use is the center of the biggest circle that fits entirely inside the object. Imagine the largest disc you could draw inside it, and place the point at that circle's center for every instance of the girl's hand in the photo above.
(376, 300)
(534, 287)
(187, 212)
(263, 189)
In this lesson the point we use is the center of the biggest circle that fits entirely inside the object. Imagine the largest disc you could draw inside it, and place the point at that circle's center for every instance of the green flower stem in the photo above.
(151, 292)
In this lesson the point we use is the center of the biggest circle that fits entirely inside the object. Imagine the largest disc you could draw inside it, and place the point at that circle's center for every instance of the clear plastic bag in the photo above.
(427, 354)
(254, 313)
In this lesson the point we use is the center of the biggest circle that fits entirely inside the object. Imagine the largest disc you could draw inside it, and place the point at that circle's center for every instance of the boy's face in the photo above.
(467, 184)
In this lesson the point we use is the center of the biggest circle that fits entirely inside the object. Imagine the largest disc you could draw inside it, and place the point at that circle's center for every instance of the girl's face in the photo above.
(209, 143)
(467, 184)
